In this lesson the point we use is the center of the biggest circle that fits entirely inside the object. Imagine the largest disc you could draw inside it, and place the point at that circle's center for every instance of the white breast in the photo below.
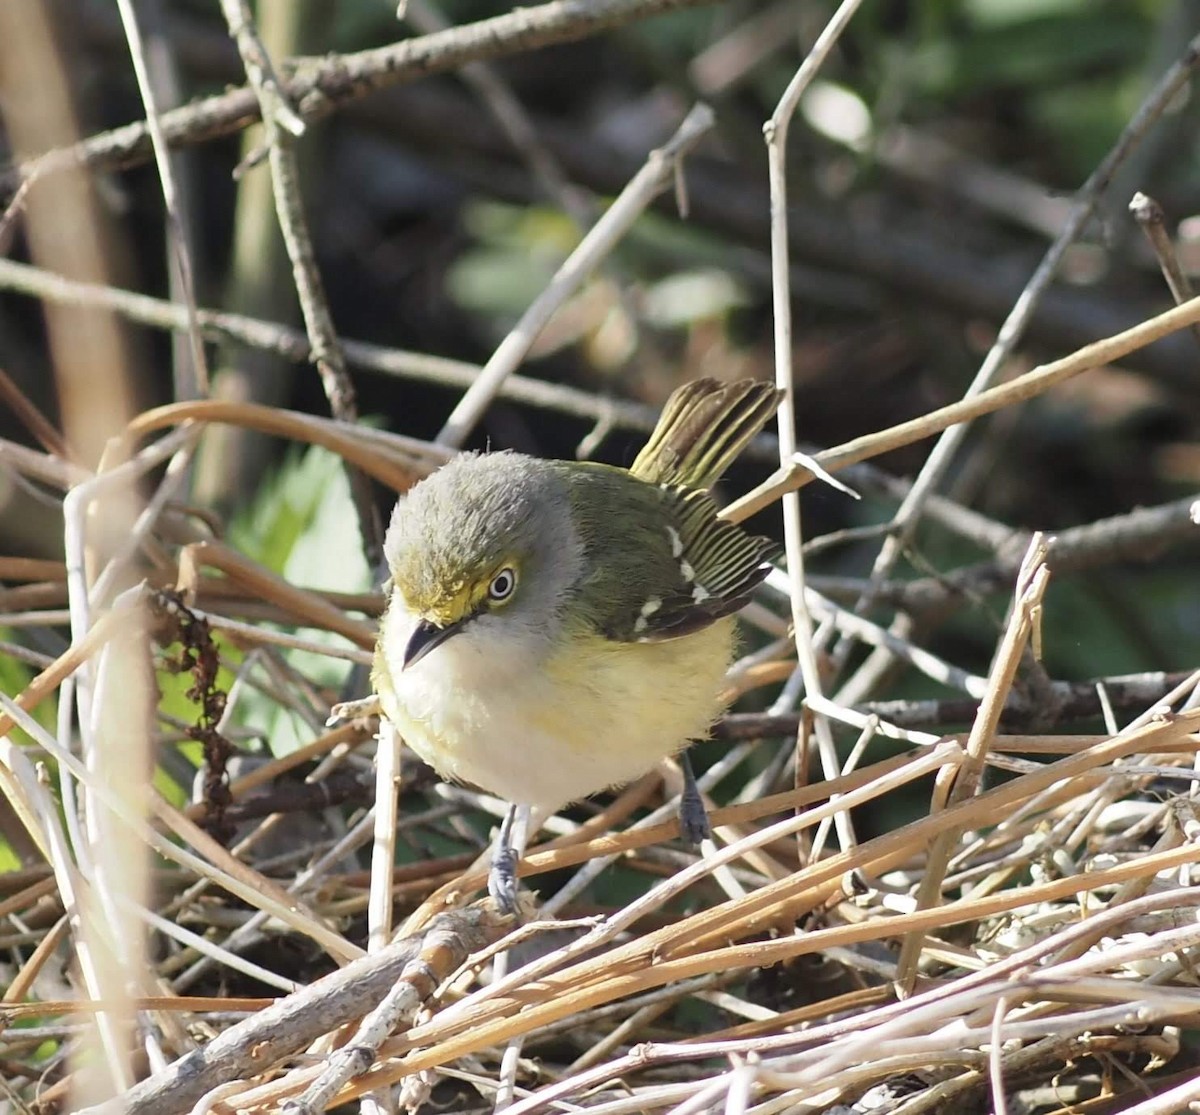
(545, 729)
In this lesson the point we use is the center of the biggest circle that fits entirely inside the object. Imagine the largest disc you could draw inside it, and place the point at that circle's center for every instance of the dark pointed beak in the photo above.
(427, 636)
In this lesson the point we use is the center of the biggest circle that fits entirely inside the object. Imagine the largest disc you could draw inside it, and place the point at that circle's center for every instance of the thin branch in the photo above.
(1032, 383)
(1149, 216)
(775, 132)
(293, 345)
(958, 786)
(654, 178)
(282, 124)
(198, 380)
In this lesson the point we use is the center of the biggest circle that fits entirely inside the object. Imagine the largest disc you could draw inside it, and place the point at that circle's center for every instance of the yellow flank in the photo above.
(643, 700)
(547, 732)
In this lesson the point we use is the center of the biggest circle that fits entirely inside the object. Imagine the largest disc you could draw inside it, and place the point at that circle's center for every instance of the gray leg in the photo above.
(502, 879)
(693, 817)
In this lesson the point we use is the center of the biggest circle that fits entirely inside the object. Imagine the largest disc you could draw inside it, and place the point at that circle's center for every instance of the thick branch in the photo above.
(1074, 701)
(295, 1021)
(320, 85)
(1139, 535)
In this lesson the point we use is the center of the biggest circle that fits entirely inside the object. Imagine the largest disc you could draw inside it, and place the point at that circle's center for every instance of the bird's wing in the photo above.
(664, 565)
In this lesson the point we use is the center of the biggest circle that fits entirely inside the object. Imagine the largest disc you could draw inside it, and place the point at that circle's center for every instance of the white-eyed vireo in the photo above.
(555, 628)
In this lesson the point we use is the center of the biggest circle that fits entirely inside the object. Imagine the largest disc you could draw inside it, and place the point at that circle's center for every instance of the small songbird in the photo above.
(554, 628)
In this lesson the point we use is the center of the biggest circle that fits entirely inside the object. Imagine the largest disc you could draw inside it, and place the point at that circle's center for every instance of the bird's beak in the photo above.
(427, 636)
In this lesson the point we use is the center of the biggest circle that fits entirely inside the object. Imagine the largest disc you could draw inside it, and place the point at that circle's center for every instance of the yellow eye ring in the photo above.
(503, 585)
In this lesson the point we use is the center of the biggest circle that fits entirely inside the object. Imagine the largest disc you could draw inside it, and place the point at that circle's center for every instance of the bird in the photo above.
(557, 628)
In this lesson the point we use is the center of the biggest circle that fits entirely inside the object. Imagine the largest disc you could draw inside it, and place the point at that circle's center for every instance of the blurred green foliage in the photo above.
(300, 523)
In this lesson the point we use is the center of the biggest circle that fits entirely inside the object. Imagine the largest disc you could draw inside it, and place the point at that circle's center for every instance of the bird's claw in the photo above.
(502, 880)
(361, 709)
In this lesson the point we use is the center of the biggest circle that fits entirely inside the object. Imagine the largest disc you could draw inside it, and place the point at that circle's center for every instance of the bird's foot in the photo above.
(361, 709)
(502, 880)
(694, 827)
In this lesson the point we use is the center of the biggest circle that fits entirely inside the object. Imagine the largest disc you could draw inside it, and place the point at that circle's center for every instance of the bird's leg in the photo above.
(693, 817)
(510, 843)
(502, 879)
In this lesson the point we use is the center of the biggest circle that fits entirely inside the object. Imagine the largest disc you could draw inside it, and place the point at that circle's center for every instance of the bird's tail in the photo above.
(704, 426)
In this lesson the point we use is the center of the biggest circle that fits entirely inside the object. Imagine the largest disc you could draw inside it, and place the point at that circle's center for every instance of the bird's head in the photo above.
(486, 544)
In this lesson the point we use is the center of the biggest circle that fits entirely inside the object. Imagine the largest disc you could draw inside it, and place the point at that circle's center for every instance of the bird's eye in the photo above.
(502, 585)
